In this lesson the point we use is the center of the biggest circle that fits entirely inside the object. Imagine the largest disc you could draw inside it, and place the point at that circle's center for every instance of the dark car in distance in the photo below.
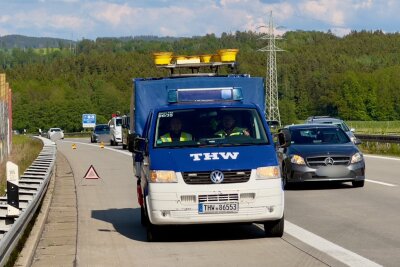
(321, 152)
(101, 133)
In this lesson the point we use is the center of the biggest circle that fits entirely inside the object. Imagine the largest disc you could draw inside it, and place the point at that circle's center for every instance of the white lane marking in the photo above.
(382, 183)
(335, 251)
(381, 157)
(98, 145)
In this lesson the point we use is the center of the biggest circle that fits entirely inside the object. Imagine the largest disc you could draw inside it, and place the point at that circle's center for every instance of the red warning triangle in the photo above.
(91, 173)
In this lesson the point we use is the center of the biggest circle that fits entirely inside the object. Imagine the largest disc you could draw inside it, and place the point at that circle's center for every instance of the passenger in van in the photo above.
(175, 132)
(229, 128)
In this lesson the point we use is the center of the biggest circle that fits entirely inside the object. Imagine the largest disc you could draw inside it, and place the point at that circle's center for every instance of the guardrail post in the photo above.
(12, 190)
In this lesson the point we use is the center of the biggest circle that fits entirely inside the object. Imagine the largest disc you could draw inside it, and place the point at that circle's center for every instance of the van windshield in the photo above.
(118, 122)
(209, 127)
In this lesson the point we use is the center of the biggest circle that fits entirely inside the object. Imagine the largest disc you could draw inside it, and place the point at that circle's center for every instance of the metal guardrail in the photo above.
(379, 138)
(32, 187)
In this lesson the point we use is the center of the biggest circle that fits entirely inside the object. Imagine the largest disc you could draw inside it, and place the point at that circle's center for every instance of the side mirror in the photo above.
(140, 145)
(131, 141)
(357, 142)
(284, 138)
(352, 130)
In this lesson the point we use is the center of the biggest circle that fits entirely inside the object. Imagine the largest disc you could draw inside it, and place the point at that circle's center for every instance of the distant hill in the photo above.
(20, 41)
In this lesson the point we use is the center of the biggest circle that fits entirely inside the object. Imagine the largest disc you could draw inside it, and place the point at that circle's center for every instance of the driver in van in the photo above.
(229, 128)
(175, 132)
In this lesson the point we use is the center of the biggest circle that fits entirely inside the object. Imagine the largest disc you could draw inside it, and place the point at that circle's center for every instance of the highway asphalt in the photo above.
(326, 224)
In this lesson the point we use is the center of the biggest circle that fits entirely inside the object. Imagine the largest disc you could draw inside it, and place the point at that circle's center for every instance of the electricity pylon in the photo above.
(271, 85)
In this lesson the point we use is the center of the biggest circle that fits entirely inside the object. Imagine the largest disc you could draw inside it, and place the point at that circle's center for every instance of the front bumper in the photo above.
(304, 173)
(178, 203)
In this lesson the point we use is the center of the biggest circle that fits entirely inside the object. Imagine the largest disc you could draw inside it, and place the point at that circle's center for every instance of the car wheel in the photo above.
(123, 146)
(358, 183)
(144, 220)
(152, 232)
(274, 228)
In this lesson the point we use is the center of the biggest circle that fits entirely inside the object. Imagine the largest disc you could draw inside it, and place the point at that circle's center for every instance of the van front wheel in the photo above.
(274, 228)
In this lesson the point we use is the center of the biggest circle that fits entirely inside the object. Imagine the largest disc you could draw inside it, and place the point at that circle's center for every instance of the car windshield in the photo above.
(118, 122)
(102, 129)
(317, 136)
(337, 123)
(55, 130)
(209, 127)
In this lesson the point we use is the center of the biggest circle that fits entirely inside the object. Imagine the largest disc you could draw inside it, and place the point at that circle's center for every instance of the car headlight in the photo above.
(357, 157)
(271, 172)
(296, 159)
(163, 177)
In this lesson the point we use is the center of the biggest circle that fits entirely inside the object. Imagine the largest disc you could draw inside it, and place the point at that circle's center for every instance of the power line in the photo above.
(271, 90)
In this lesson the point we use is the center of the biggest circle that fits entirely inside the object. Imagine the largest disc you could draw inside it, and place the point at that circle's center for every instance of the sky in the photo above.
(89, 19)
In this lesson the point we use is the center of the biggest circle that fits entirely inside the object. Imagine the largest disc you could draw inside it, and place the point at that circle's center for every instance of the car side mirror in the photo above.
(352, 130)
(140, 145)
(131, 141)
(284, 138)
(357, 142)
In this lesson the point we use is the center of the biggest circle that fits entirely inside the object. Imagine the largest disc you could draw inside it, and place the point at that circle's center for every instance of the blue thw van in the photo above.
(204, 153)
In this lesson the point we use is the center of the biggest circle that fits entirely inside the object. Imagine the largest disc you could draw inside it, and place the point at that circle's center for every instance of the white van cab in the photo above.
(115, 131)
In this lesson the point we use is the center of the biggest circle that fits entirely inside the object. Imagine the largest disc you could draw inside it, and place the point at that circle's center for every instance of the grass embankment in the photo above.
(24, 151)
(375, 127)
(380, 148)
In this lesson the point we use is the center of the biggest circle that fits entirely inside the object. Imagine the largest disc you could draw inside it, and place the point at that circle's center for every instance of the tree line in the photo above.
(355, 77)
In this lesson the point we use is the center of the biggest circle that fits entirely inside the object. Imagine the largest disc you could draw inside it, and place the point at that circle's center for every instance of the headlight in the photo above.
(268, 173)
(356, 158)
(163, 177)
(296, 159)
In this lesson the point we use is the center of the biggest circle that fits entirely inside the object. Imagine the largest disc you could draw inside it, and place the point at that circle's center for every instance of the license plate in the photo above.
(332, 171)
(231, 207)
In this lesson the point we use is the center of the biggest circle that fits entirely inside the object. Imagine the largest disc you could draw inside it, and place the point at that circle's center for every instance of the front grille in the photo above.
(204, 177)
(218, 198)
(320, 161)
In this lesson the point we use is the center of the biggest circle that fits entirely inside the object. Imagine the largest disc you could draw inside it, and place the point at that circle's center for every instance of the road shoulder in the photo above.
(52, 241)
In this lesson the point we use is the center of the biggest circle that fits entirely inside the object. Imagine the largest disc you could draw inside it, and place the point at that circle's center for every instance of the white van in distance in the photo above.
(115, 131)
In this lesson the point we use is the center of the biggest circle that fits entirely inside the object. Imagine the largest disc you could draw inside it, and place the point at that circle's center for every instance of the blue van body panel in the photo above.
(180, 159)
(153, 93)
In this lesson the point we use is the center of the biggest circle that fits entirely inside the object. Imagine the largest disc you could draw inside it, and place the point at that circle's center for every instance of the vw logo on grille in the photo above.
(216, 177)
(329, 161)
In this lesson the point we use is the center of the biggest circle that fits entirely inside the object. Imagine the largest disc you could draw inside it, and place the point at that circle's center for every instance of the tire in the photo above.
(123, 146)
(358, 183)
(274, 228)
(152, 233)
(144, 220)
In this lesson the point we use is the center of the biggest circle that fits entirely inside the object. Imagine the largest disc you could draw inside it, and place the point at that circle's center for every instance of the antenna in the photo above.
(271, 85)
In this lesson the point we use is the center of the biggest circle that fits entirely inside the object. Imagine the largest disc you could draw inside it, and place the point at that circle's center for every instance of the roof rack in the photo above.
(195, 68)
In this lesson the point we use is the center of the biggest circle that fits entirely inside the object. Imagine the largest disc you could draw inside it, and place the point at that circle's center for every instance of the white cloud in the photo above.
(101, 18)
(41, 19)
(363, 4)
(112, 13)
(4, 19)
(3, 32)
(328, 11)
(340, 31)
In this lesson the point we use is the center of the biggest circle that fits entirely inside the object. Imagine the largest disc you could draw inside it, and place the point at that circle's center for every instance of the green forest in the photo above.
(356, 77)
